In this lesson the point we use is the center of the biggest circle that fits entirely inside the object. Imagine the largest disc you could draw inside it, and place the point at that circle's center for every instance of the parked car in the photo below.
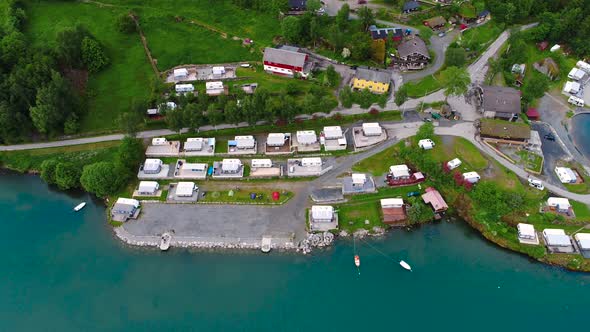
(549, 137)
(413, 194)
(427, 120)
(536, 184)
(442, 34)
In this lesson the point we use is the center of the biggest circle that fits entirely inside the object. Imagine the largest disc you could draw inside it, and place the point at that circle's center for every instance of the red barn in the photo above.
(285, 62)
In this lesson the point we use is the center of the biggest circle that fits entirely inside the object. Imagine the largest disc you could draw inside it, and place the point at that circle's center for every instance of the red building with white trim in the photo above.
(285, 62)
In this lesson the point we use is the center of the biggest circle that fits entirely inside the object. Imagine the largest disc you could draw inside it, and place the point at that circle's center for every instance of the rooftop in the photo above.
(413, 46)
(505, 129)
(373, 75)
(284, 56)
(501, 99)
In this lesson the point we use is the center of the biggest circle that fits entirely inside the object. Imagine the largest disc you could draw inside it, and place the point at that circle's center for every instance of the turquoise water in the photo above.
(580, 133)
(64, 271)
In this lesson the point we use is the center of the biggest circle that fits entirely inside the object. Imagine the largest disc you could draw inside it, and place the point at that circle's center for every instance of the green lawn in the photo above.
(243, 196)
(467, 10)
(272, 83)
(111, 91)
(581, 210)
(425, 86)
(479, 38)
(30, 160)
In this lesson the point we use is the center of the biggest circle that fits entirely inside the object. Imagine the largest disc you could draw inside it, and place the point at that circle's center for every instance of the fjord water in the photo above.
(64, 271)
(580, 133)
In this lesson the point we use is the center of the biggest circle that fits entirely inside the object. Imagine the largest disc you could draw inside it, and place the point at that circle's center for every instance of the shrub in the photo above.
(125, 24)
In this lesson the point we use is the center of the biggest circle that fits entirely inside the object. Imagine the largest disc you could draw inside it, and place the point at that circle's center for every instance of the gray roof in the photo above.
(283, 56)
(558, 240)
(121, 208)
(501, 99)
(411, 5)
(413, 46)
(373, 75)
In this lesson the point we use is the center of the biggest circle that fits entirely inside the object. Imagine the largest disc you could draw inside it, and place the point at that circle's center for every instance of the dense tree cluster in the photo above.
(35, 96)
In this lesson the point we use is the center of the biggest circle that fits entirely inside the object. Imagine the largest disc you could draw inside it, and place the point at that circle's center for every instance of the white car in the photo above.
(536, 184)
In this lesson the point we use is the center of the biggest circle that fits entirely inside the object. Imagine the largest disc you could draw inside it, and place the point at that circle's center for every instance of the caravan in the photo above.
(261, 163)
(576, 101)
(184, 88)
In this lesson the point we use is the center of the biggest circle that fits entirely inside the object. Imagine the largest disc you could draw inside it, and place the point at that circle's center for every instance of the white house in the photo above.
(148, 188)
(261, 163)
(193, 144)
(159, 141)
(576, 101)
(571, 87)
(152, 166)
(231, 165)
(245, 142)
(471, 177)
(333, 132)
(185, 189)
(183, 88)
(583, 240)
(452, 164)
(399, 172)
(372, 129)
(322, 213)
(276, 139)
(310, 162)
(214, 88)
(576, 74)
(180, 73)
(388, 203)
(559, 203)
(566, 175)
(426, 144)
(557, 238)
(306, 137)
(526, 232)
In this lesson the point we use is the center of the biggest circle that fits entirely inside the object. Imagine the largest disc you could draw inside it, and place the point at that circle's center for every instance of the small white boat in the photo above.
(357, 261)
(405, 265)
(266, 244)
(80, 206)
(165, 241)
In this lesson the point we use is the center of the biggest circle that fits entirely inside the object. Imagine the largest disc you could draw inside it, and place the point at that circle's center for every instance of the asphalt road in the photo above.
(552, 152)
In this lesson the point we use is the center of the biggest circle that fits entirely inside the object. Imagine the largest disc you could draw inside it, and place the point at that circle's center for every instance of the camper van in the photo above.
(576, 101)
(181, 88)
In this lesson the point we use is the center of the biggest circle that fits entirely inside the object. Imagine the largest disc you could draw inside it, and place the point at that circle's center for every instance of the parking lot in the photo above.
(552, 151)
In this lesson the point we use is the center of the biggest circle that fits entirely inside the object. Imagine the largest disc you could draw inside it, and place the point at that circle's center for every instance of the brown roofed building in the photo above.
(500, 102)
(394, 211)
(433, 197)
(504, 132)
(412, 54)
(435, 22)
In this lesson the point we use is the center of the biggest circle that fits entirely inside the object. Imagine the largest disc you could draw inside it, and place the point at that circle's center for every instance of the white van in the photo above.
(576, 101)
(536, 184)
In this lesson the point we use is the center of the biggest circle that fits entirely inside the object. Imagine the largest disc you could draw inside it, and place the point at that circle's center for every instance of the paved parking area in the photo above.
(552, 151)
(204, 221)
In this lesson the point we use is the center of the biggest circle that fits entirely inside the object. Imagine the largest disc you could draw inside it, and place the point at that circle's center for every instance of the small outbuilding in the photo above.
(180, 73)
(527, 234)
(576, 74)
(433, 197)
(394, 212)
(323, 218)
(559, 204)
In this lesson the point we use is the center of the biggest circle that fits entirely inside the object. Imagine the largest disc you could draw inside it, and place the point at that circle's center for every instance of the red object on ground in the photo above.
(532, 114)
(275, 196)
(464, 27)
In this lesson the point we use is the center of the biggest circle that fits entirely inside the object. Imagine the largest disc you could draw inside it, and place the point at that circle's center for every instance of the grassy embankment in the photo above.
(500, 229)
(171, 41)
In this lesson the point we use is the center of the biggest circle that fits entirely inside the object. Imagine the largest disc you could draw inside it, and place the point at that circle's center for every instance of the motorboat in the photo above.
(80, 206)
(266, 244)
(165, 241)
(405, 265)
(357, 260)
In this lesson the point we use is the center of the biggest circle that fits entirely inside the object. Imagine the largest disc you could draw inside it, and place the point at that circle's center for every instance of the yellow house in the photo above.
(376, 81)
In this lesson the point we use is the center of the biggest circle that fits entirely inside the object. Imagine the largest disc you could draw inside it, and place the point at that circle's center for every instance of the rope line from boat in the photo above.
(379, 251)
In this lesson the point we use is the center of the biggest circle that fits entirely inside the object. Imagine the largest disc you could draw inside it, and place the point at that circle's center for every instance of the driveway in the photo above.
(552, 152)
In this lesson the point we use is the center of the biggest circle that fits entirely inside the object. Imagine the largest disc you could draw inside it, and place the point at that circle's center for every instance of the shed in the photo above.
(471, 177)
(392, 203)
(322, 213)
(399, 172)
(310, 162)
(433, 197)
(218, 70)
(159, 141)
(184, 88)
(410, 6)
(180, 73)
(559, 203)
(245, 142)
(358, 179)
(276, 139)
(576, 74)
(583, 240)
(230, 165)
(372, 129)
(152, 166)
(307, 137)
(170, 105)
(332, 132)
(148, 187)
(452, 164)
(526, 231)
(426, 144)
(566, 175)
(261, 163)
(185, 189)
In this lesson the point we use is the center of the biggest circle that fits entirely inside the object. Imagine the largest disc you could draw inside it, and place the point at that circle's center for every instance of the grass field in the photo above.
(30, 160)
(423, 87)
(481, 37)
(243, 197)
(111, 91)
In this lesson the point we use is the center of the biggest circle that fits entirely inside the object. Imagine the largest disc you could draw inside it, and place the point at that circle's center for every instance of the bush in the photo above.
(125, 24)
(48, 170)
(401, 96)
(93, 55)
(67, 175)
(101, 178)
